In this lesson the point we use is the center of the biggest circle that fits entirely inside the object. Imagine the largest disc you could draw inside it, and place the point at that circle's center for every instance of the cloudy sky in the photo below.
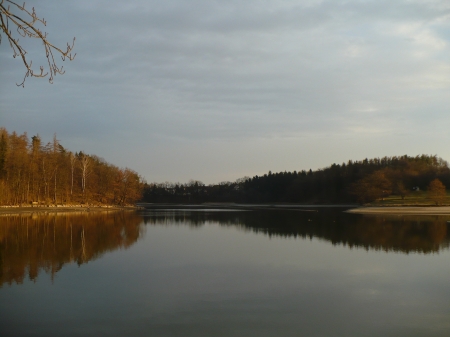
(217, 90)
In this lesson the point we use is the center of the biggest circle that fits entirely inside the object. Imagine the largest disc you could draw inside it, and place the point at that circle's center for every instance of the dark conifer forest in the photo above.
(355, 181)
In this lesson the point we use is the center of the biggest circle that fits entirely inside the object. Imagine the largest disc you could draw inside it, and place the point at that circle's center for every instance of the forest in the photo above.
(355, 181)
(34, 173)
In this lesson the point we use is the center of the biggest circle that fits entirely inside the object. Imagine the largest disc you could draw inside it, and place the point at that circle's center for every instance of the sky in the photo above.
(218, 90)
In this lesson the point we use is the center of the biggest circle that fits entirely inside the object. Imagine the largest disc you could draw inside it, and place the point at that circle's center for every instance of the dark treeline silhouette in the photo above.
(46, 242)
(422, 234)
(31, 172)
(354, 181)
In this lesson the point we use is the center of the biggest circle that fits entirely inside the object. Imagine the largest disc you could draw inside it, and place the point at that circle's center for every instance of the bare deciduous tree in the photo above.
(26, 25)
(72, 160)
(85, 165)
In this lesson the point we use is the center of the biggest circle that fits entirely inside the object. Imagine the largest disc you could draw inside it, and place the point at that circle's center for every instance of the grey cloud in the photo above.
(175, 72)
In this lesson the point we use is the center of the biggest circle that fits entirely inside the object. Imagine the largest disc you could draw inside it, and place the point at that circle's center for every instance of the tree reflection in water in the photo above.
(45, 242)
(405, 234)
(31, 243)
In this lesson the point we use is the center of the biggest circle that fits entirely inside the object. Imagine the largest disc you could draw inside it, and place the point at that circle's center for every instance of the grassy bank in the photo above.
(419, 198)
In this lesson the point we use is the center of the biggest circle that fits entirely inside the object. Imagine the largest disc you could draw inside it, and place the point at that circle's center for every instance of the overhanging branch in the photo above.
(26, 27)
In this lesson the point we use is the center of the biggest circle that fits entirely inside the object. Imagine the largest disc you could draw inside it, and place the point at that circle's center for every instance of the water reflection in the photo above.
(33, 243)
(217, 274)
(45, 242)
(424, 234)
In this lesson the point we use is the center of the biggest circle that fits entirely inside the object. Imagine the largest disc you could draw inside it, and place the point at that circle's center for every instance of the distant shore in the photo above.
(405, 210)
(398, 210)
(68, 208)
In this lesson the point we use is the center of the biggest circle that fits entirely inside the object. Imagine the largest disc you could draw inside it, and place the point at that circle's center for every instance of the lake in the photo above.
(214, 272)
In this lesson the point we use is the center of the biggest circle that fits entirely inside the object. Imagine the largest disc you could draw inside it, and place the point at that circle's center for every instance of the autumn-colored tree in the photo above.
(17, 165)
(32, 173)
(372, 187)
(3, 149)
(436, 191)
(35, 168)
(400, 189)
(127, 186)
(103, 180)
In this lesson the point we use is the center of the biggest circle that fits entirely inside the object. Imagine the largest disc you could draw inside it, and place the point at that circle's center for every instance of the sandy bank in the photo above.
(445, 210)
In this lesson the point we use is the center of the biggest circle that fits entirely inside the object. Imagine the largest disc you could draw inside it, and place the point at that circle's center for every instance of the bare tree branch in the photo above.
(26, 26)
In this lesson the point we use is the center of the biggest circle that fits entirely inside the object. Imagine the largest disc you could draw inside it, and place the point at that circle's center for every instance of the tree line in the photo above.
(355, 181)
(32, 172)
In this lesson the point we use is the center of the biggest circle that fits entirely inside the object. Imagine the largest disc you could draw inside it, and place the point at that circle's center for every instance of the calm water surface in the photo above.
(224, 273)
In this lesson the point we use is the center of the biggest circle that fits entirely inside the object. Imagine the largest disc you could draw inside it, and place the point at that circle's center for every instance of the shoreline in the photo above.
(365, 210)
(401, 210)
(57, 209)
